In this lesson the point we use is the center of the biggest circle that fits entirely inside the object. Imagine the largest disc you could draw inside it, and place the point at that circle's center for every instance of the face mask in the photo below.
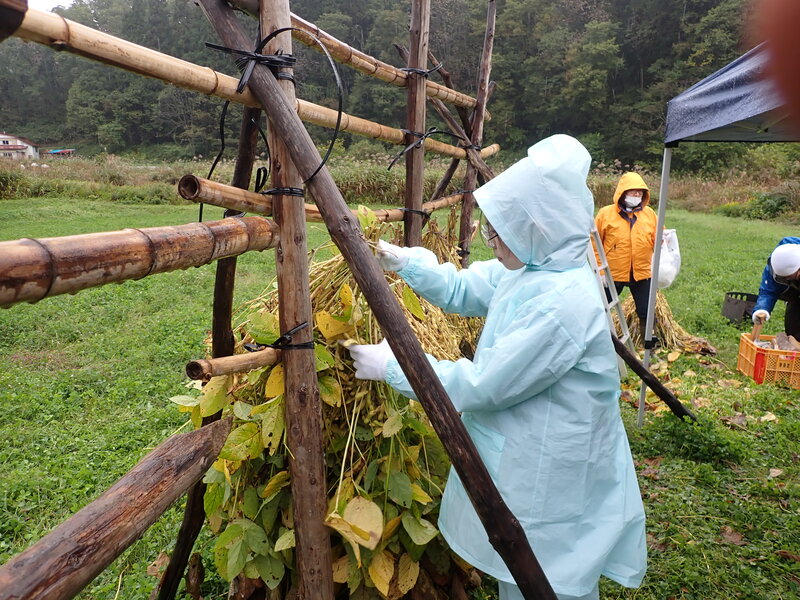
(632, 201)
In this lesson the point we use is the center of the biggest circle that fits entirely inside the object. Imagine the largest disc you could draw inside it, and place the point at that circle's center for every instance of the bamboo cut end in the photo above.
(189, 187)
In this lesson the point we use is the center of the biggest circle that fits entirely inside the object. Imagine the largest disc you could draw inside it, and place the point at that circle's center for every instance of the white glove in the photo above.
(391, 257)
(760, 316)
(370, 360)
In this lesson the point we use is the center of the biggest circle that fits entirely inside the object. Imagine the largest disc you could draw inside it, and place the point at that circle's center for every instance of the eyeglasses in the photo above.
(488, 235)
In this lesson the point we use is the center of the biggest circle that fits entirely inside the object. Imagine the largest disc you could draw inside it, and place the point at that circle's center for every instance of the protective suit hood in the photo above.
(631, 181)
(541, 206)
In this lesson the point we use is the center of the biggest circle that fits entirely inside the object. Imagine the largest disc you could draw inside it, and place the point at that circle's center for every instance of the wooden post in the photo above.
(471, 178)
(32, 269)
(504, 531)
(304, 427)
(222, 343)
(63, 562)
(415, 120)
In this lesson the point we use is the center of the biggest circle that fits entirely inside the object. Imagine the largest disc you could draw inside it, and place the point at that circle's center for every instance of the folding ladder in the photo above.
(604, 280)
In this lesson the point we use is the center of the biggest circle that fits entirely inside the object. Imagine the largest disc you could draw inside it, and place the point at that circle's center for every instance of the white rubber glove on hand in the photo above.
(370, 360)
(760, 316)
(391, 257)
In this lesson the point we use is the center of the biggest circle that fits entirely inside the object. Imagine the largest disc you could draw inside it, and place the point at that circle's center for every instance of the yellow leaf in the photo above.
(275, 382)
(412, 303)
(336, 522)
(346, 296)
(330, 391)
(673, 356)
(390, 528)
(272, 424)
(214, 396)
(366, 520)
(407, 573)
(366, 217)
(275, 484)
(381, 571)
(393, 424)
(341, 569)
(418, 494)
(331, 327)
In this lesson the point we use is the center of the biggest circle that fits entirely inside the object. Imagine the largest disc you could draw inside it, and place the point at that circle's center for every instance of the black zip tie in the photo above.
(424, 214)
(462, 253)
(285, 191)
(463, 191)
(422, 72)
(422, 136)
(471, 147)
(284, 342)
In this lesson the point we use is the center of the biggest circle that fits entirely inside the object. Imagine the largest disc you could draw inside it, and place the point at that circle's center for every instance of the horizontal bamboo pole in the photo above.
(32, 269)
(197, 189)
(364, 63)
(63, 562)
(205, 368)
(53, 30)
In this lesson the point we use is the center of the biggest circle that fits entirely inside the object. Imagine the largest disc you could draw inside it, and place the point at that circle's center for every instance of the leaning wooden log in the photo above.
(651, 380)
(32, 269)
(358, 60)
(503, 529)
(222, 344)
(198, 189)
(63, 562)
(52, 30)
(415, 121)
(205, 368)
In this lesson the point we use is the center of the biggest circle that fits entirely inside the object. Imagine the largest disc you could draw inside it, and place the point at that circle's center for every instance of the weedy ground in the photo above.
(85, 382)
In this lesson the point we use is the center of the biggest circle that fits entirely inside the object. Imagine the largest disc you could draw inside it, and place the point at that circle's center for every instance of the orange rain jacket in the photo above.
(628, 242)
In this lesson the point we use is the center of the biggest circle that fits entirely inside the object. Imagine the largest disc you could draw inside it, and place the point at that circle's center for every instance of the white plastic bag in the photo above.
(670, 261)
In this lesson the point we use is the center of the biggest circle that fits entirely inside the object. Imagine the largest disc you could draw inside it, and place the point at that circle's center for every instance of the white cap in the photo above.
(785, 259)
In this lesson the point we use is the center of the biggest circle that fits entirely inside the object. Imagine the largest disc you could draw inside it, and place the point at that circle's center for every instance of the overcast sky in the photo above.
(47, 5)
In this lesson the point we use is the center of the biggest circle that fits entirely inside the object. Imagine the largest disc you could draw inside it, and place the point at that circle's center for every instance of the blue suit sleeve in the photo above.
(466, 292)
(530, 356)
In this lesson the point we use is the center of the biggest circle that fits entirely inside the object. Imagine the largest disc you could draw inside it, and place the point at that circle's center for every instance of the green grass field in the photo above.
(86, 379)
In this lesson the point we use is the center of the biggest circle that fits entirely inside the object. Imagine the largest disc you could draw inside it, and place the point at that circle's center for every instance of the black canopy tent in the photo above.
(738, 103)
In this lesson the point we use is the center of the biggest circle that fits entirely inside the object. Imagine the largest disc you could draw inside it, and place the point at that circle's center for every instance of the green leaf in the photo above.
(250, 503)
(254, 375)
(393, 424)
(270, 569)
(272, 425)
(269, 514)
(366, 217)
(323, 358)
(212, 500)
(263, 327)
(285, 541)
(242, 410)
(419, 530)
(369, 478)
(411, 302)
(233, 534)
(400, 489)
(186, 400)
(256, 539)
(243, 442)
(215, 395)
(330, 391)
(237, 556)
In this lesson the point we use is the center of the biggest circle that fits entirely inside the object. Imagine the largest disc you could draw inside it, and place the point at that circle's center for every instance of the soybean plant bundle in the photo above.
(386, 467)
(669, 332)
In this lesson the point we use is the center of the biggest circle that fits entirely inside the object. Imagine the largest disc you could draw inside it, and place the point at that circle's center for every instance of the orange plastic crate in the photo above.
(766, 364)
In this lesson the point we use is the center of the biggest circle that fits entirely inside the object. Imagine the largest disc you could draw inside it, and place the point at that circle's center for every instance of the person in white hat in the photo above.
(781, 281)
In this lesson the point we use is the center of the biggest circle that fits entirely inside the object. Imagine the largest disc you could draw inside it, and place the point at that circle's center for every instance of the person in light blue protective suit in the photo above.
(540, 398)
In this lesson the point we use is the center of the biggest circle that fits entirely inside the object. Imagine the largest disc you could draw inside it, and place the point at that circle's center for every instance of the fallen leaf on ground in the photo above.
(789, 555)
(730, 536)
(773, 473)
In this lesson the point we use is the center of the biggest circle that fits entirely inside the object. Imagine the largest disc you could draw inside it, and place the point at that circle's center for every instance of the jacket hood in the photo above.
(541, 206)
(631, 181)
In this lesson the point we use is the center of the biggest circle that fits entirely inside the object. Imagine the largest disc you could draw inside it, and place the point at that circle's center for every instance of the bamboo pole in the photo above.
(415, 120)
(63, 562)
(471, 178)
(205, 368)
(358, 60)
(198, 189)
(303, 408)
(53, 30)
(32, 269)
(503, 530)
(222, 344)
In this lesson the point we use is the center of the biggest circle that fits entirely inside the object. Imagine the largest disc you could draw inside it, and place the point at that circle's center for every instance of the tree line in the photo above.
(601, 70)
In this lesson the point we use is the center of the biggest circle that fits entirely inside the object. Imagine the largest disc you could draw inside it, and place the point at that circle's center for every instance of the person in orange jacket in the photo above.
(627, 229)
